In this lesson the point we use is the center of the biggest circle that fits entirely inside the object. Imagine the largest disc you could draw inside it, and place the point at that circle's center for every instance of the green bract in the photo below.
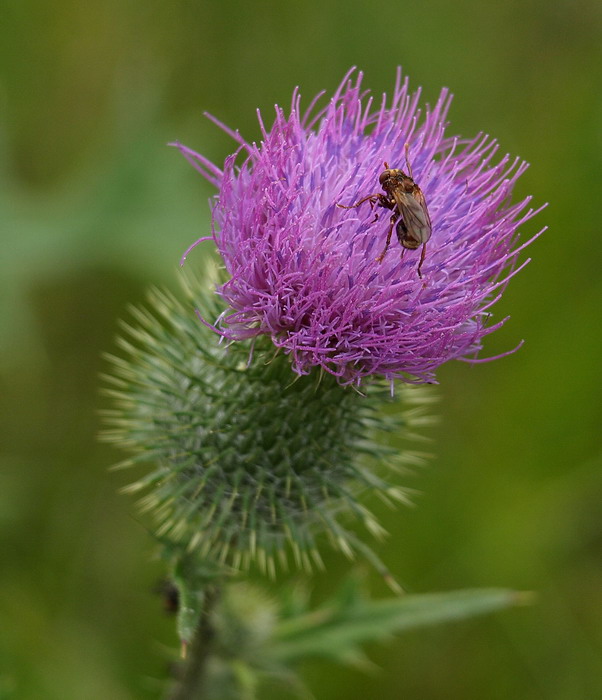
(249, 459)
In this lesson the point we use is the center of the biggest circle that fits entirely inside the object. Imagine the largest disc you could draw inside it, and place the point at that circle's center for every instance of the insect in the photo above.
(410, 215)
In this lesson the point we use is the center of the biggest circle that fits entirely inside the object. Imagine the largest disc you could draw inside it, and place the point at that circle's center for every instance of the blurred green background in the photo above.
(95, 208)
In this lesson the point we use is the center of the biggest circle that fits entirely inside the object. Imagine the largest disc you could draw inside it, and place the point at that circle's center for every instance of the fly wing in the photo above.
(412, 207)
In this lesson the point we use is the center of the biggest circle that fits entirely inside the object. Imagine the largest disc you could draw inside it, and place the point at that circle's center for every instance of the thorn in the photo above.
(392, 583)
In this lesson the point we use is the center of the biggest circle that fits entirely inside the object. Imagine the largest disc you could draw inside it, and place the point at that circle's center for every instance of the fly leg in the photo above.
(422, 256)
(392, 222)
(372, 198)
(373, 201)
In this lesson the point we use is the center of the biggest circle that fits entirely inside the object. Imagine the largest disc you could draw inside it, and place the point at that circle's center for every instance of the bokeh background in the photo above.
(95, 208)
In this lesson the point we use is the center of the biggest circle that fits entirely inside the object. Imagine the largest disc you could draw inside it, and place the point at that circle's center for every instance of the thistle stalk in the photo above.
(191, 684)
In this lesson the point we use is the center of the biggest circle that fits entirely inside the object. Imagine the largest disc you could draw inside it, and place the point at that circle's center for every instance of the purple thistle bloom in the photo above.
(305, 271)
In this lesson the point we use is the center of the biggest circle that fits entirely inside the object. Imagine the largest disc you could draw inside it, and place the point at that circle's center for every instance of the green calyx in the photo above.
(250, 461)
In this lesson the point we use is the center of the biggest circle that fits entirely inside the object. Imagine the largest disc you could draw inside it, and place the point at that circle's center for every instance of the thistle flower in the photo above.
(251, 461)
(305, 272)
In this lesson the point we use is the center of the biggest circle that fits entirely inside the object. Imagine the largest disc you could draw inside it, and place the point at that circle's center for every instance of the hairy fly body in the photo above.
(409, 217)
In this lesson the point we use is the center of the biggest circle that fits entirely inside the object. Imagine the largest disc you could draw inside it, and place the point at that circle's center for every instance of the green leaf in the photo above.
(336, 631)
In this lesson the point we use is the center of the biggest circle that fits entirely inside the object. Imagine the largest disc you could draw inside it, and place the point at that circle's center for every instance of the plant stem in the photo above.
(193, 677)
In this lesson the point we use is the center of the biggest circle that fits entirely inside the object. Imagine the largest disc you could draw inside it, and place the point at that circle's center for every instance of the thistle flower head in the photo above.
(306, 273)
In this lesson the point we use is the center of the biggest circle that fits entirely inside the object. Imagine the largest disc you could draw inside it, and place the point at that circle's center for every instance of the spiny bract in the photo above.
(251, 460)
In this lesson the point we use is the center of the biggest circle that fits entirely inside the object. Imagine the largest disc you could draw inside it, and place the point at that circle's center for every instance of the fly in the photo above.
(410, 216)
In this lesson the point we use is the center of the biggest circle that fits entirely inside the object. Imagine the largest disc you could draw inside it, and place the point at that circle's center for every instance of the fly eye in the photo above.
(384, 176)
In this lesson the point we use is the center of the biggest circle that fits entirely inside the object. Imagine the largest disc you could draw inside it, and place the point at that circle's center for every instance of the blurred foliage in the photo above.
(258, 641)
(95, 208)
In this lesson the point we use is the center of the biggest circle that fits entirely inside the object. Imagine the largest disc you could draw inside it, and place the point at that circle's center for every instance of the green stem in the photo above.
(191, 685)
